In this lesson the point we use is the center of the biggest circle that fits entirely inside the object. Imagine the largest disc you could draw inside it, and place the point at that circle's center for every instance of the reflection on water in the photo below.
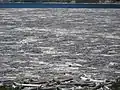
(47, 43)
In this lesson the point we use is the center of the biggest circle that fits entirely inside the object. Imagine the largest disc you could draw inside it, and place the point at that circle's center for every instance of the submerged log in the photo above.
(98, 86)
(116, 85)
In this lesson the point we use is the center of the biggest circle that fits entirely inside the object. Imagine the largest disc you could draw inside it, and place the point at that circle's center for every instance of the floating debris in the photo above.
(64, 84)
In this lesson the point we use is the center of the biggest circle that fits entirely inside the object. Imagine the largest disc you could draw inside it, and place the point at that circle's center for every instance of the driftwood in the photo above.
(80, 84)
(36, 86)
(66, 83)
(65, 80)
(45, 87)
(56, 82)
(48, 88)
(27, 85)
(116, 85)
(98, 86)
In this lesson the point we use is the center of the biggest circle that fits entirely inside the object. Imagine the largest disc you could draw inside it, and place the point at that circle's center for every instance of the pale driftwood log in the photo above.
(65, 80)
(79, 84)
(98, 86)
(40, 85)
(56, 82)
(27, 85)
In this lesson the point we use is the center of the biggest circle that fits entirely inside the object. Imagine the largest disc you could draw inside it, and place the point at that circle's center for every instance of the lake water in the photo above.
(48, 43)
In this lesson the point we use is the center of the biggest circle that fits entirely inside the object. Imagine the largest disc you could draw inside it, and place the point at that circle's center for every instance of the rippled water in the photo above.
(47, 43)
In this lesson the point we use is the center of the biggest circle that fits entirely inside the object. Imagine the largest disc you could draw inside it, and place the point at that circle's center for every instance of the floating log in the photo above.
(65, 80)
(27, 85)
(80, 84)
(56, 82)
(98, 86)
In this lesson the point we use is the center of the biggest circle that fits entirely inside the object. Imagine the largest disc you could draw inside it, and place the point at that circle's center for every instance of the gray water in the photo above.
(48, 43)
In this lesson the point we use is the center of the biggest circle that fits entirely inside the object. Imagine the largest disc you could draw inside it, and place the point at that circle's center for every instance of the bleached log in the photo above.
(27, 85)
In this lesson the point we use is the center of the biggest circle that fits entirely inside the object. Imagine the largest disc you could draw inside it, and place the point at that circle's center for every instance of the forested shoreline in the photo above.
(65, 1)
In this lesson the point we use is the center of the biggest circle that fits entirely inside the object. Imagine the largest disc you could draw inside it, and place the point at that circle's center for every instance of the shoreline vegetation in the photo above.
(64, 1)
(65, 84)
